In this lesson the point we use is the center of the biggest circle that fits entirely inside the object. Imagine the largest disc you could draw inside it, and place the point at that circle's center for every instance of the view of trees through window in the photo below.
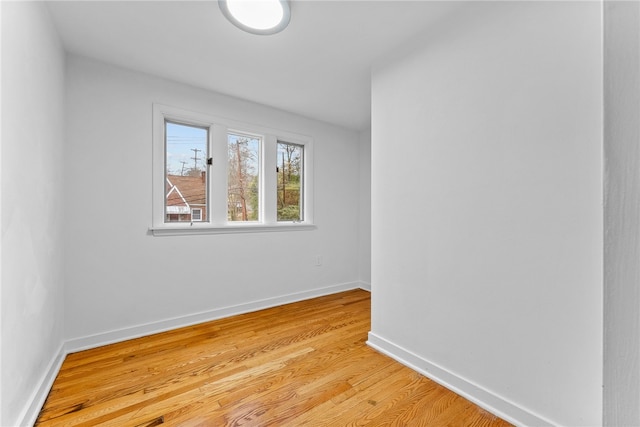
(185, 172)
(289, 181)
(243, 172)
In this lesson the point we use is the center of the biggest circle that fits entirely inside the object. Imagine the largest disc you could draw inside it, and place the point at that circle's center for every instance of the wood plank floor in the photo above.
(301, 364)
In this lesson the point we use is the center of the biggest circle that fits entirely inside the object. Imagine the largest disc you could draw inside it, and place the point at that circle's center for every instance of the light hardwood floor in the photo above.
(299, 364)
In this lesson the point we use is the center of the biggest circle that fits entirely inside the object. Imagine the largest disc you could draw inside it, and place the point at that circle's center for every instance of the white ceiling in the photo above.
(318, 67)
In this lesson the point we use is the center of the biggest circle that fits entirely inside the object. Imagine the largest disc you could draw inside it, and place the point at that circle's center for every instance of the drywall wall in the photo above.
(32, 187)
(364, 221)
(119, 276)
(486, 207)
(1, 134)
(621, 45)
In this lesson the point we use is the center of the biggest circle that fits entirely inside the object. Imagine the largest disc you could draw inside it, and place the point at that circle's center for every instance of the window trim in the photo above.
(216, 222)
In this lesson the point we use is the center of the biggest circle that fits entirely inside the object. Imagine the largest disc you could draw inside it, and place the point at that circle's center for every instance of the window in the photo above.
(290, 184)
(214, 175)
(186, 149)
(196, 214)
(243, 178)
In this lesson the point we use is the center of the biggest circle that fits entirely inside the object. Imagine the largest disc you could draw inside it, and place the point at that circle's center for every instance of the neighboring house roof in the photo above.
(185, 192)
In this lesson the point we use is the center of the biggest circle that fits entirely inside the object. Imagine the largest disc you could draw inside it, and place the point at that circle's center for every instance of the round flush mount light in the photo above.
(257, 16)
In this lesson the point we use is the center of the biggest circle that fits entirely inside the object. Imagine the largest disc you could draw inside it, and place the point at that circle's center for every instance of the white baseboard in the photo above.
(482, 397)
(31, 410)
(97, 340)
(365, 286)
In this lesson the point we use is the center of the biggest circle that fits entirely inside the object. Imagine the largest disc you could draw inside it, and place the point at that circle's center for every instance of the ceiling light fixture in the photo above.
(257, 16)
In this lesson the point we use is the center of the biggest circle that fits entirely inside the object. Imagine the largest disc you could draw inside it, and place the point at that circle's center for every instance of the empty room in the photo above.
(322, 213)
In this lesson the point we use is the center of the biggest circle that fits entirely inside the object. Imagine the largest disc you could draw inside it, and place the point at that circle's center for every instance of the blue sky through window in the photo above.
(186, 148)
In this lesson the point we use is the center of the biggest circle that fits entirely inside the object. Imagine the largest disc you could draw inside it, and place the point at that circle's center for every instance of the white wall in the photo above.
(364, 220)
(622, 213)
(486, 202)
(119, 276)
(32, 154)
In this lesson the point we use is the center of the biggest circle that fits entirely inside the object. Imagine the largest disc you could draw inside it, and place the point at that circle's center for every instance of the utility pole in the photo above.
(195, 158)
(182, 171)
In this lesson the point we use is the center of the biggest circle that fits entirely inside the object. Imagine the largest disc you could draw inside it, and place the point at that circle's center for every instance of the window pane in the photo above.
(243, 196)
(290, 182)
(185, 172)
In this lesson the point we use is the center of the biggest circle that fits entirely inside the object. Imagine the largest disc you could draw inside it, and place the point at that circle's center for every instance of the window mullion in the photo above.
(269, 186)
(218, 175)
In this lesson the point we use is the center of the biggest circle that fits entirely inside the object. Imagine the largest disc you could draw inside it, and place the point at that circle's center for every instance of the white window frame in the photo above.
(216, 222)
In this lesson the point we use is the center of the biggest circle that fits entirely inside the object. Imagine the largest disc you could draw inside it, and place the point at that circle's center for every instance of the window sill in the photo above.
(189, 230)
